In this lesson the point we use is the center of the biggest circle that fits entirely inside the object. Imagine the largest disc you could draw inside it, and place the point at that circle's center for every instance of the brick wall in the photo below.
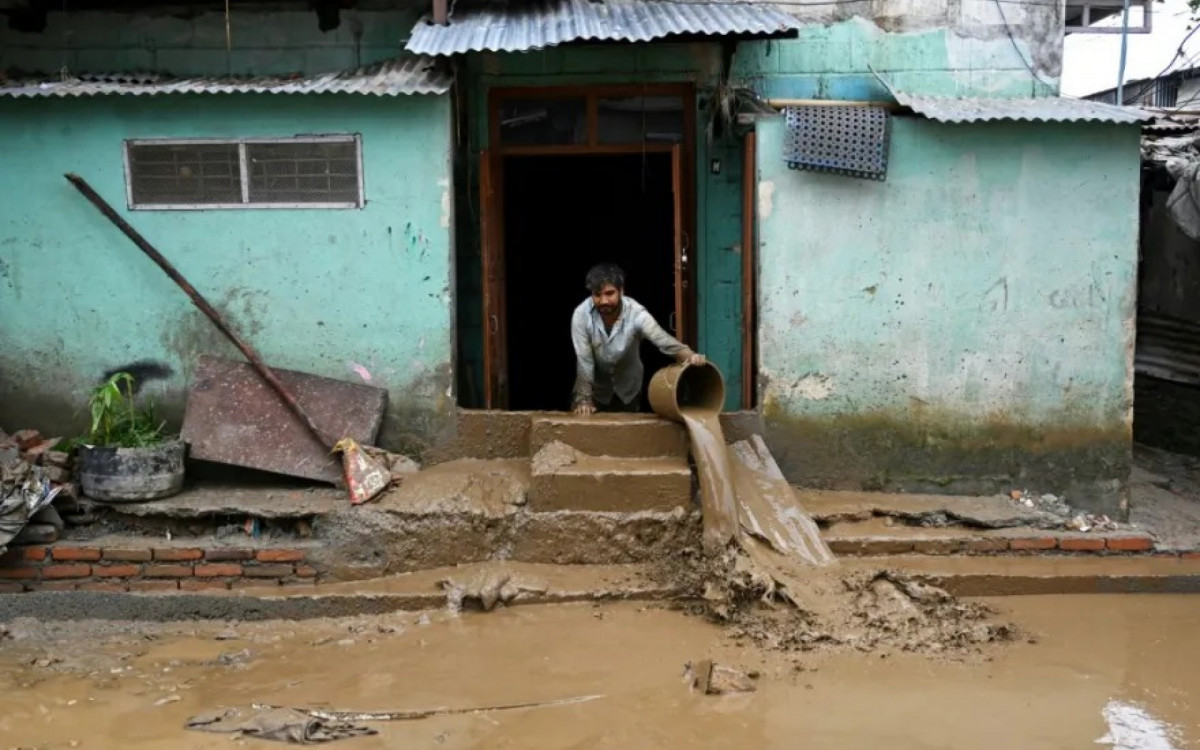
(70, 567)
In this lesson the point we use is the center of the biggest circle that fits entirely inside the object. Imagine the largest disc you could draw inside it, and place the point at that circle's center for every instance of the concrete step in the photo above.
(600, 483)
(1045, 574)
(617, 435)
(422, 590)
(884, 536)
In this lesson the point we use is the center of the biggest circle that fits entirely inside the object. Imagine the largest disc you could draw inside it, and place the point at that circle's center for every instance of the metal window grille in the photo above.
(301, 172)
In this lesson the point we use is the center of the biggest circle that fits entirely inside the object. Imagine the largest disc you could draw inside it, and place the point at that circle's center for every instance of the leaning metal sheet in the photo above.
(847, 140)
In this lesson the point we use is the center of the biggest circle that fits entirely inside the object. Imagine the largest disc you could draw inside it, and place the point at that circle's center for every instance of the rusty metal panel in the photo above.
(234, 418)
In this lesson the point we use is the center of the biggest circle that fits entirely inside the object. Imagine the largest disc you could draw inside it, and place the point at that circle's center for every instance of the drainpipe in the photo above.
(1124, 45)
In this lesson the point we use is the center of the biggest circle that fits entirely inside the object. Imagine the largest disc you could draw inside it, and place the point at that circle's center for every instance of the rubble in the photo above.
(33, 474)
(1056, 512)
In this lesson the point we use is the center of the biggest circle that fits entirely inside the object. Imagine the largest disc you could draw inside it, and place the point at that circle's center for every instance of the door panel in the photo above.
(681, 323)
(495, 351)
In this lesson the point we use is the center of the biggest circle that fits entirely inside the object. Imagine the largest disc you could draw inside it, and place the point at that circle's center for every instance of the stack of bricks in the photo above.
(71, 567)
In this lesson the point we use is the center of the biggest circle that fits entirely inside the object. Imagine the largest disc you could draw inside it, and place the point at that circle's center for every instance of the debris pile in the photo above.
(1060, 514)
(34, 473)
(879, 611)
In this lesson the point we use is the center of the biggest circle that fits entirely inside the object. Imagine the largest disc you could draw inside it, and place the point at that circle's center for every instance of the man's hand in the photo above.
(584, 408)
(690, 357)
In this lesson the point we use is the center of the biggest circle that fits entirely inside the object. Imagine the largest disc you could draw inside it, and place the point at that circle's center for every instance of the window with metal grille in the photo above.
(301, 172)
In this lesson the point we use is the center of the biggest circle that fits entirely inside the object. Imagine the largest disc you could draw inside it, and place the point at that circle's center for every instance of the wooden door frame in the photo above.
(495, 334)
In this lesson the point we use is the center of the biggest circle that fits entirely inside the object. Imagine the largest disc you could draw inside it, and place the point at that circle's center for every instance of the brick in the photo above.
(267, 571)
(219, 570)
(197, 584)
(11, 588)
(168, 571)
(1190, 555)
(1130, 543)
(116, 571)
(869, 546)
(306, 571)
(173, 554)
(1033, 543)
(126, 555)
(75, 553)
(55, 586)
(280, 555)
(67, 571)
(228, 555)
(33, 553)
(26, 439)
(1075, 544)
(21, 572)
(101, 586)
(247, 583)
(936, 546)
(153, 585)
(985, 545)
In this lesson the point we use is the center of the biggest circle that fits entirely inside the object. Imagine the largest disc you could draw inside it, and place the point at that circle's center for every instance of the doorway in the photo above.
(564, 214)
(574, 177)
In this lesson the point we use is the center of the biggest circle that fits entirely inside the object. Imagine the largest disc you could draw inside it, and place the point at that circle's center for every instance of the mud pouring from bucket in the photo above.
(744, 496)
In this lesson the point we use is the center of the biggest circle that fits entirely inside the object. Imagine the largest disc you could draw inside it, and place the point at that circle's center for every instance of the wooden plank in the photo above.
(234, 418)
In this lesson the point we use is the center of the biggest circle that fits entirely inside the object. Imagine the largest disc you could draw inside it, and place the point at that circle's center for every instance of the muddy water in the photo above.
(719, 504)
(1116, 667)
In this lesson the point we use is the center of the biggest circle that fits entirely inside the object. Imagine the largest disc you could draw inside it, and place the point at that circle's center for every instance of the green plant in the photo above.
(117, 422)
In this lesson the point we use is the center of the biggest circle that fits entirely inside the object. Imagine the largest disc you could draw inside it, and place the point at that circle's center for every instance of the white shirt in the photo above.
(608, 362)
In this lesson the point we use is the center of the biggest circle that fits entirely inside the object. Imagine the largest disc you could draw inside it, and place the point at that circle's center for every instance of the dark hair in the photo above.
(605, 273)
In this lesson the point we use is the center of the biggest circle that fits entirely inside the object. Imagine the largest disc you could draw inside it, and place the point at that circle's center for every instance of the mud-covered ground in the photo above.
(1117, 668)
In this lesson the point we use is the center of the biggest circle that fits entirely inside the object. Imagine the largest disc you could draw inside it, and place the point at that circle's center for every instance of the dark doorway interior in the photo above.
(562, 215)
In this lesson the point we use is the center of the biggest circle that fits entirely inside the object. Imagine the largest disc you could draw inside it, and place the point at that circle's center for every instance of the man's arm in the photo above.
(666, 343)
(585, 363)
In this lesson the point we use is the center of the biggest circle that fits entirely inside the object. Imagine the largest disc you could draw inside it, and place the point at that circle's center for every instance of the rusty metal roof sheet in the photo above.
(546, 23)
(1045, 109)
(410, 75)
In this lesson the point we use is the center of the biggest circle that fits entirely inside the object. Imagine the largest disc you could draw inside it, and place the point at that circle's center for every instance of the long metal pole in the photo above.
(1124, 45)
(256, 361)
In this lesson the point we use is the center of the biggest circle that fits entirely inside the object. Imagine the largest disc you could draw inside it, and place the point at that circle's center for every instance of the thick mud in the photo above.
(1118, 669)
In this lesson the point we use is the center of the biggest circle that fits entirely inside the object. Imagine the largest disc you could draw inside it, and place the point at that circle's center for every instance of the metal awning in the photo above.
(1040, 109)
(410, 75)
(546, 23)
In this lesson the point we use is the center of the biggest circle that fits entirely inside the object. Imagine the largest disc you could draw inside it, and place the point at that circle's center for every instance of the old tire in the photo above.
(132, 474)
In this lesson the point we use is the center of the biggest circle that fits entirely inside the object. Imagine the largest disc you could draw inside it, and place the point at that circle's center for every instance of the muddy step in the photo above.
(535, 584)
(1021, 576)
(601, 483)
(617, 435)
(883, 536)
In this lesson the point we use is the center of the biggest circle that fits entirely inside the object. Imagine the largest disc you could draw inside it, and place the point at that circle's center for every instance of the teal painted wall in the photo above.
(333, 292)
(966, 324)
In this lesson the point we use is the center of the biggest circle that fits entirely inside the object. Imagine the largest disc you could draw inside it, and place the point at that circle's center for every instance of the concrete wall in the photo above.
(186, 42)
(966, 325)
(341, 293)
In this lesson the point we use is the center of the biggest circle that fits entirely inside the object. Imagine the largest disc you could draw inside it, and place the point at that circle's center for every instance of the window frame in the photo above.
(243, 172)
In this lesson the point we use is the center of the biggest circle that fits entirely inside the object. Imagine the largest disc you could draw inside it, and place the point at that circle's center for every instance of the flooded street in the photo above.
(1120, 668)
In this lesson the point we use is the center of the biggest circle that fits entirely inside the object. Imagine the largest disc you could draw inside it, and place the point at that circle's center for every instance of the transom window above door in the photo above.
(602, 116)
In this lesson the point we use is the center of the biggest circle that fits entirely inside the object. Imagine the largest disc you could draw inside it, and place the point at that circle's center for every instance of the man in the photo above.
(607, 330)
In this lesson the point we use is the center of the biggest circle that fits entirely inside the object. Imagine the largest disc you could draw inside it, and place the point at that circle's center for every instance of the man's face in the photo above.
(607, 300)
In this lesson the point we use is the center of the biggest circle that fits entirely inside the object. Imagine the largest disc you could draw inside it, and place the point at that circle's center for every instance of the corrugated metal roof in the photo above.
(545, 23)
(1045, 109)
(412, 75)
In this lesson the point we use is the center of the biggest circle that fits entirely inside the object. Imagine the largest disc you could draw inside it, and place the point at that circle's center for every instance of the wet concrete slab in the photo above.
(828, 506)
(461, 487)
(1127, 679)
(213, 499)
